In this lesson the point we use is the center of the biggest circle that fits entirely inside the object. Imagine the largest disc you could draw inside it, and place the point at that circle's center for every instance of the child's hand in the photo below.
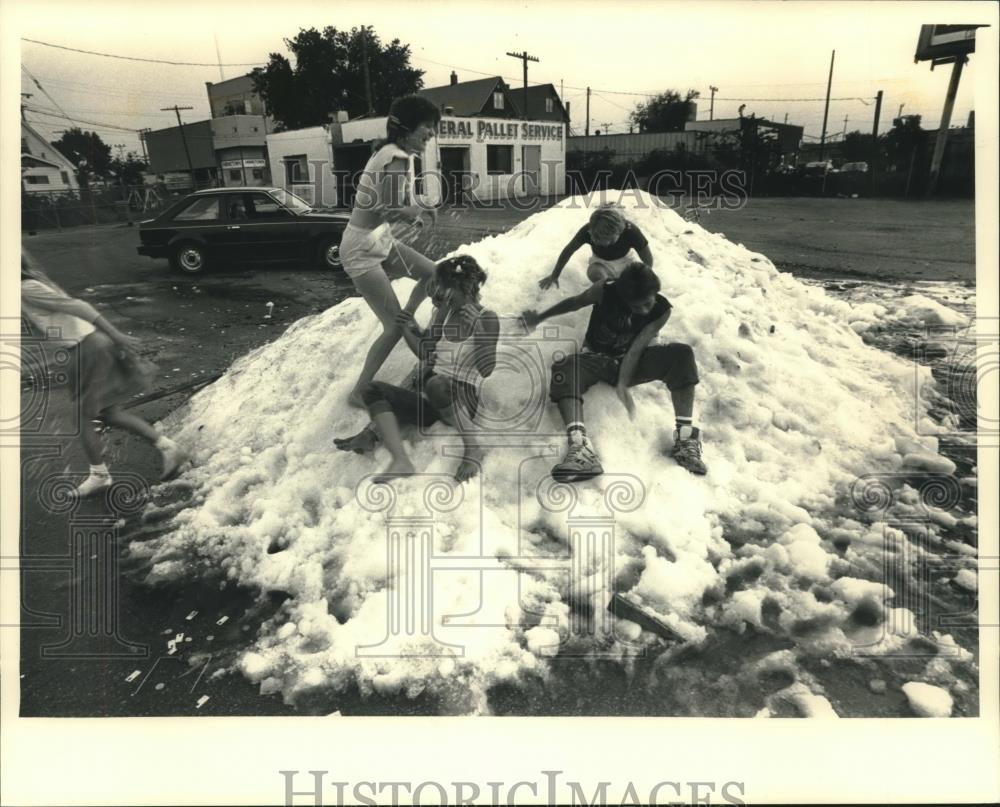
(626, 398)
(548, 282)
(530, 320)
(132, 343)
(468, 315)
(404, 319)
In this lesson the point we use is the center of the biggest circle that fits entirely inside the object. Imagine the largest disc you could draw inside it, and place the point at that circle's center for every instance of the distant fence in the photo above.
(628, 147)
(54, 210)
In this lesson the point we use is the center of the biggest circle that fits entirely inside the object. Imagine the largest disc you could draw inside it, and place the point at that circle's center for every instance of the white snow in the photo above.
(790, 418)
(927, 700)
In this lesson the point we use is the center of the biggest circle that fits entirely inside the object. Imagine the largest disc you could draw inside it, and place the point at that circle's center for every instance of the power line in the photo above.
(46, 92)
(139, 59)
(79, 120)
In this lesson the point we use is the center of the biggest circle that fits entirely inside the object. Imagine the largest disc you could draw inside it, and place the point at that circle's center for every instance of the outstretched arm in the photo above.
(568, 251)
(591, 296)
(631, 359)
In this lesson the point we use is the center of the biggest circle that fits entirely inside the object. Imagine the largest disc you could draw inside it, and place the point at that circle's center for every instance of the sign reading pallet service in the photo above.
(487, 131)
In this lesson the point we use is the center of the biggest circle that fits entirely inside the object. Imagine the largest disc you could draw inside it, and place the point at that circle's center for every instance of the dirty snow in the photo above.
(793, 405)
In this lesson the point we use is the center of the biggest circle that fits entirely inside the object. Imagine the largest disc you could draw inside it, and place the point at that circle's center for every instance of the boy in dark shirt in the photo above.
(612, 239)
(627, 314)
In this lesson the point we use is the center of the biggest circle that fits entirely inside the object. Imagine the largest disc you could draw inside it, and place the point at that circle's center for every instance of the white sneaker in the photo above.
(94, 483)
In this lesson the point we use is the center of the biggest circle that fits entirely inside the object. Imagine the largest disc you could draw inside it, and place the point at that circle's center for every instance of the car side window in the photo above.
(205, 208)
(264, 206)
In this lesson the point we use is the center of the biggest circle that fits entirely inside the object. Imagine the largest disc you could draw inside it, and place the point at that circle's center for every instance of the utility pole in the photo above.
(900, 113)
(874, 165)
(586, 128)
(364, 67)
(711, 103)
(177, 111)
(942, 135)
(142, 142)
(218, 57)
(844, 134)
(607, 128)
(826, 109)
(786, 118)
(121, 149)
(525, 58)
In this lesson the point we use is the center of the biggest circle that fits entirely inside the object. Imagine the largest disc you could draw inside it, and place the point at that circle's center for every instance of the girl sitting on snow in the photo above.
(109, 371)
(455, 353)
(612, 238)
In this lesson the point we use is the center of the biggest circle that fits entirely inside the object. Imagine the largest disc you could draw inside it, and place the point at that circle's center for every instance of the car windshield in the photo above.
(291, 201)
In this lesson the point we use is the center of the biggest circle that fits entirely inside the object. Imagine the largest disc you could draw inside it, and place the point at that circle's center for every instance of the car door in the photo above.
(272, 231)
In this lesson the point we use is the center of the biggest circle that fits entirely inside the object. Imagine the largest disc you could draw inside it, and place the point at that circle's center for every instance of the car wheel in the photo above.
(329, 254)
(189, 258)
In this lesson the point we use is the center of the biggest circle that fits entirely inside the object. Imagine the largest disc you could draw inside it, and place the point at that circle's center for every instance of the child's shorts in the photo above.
(364, 250)
(602, 269)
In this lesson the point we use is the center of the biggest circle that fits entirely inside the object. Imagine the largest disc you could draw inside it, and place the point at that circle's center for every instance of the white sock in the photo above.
(99, 470)
(577, 434)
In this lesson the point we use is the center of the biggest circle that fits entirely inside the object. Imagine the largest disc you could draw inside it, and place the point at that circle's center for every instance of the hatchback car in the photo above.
(242, 225)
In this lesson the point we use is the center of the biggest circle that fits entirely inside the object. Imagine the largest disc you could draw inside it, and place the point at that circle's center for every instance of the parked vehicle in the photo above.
(854, 168)
(242, 225)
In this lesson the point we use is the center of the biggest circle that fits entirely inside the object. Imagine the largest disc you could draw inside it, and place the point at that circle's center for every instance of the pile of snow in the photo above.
(794, 408)
(927, 700)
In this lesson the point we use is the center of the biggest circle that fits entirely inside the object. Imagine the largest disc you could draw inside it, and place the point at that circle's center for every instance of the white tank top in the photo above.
(454, 359)
(368, 182)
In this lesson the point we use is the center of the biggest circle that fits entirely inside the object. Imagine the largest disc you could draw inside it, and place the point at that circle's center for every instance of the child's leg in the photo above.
(116, 416)
(443, 395)
(598, 271)
(388, 406)
(571, 377)
(377, 291)
(675, 365)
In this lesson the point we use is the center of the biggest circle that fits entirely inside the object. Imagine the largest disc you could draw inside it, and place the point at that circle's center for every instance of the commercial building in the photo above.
(44, 169)
(484, 150)
(229, 149)
(784, 138)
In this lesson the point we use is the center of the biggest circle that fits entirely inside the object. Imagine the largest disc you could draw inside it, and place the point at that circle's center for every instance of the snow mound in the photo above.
(927, 700)
(794, 408)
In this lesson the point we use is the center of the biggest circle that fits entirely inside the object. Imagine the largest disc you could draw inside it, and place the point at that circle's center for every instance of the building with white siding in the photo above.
(44, 169)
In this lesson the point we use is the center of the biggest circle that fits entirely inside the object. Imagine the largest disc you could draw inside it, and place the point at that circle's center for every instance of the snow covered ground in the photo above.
(818, 444)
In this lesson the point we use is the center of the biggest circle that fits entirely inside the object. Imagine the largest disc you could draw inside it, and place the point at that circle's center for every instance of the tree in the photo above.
(329, 75)
(86, 150)
(856, 147)
(905, 142)
(666, 112)
(129, 171)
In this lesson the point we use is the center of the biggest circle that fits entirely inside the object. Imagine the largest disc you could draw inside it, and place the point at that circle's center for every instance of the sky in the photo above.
(773, 57)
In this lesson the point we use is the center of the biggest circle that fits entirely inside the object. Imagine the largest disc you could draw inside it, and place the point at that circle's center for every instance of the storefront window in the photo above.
(235, 175)
(499, 159)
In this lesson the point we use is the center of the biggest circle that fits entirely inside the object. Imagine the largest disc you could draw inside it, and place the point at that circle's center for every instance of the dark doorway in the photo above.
(455, 170)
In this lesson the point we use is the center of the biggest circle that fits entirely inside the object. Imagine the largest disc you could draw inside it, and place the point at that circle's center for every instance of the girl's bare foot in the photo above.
(397, 468)
(361, 443)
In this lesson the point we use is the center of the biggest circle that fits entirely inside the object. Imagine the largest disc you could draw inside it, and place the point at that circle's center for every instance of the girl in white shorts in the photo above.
(368, 249)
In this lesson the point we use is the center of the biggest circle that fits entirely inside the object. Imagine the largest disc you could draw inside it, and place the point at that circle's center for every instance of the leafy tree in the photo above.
(86, 150)
(328, 75)
(129, 171)
(666, 112)
(856, 147)
(906, 141)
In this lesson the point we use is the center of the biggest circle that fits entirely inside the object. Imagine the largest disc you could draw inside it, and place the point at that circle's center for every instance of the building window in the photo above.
(549, 105)
(37, 180)
(296, 169)
(235, 175)
(65, 177)
(205, 208)
(258, 173)
(499, 159)
(498, 100)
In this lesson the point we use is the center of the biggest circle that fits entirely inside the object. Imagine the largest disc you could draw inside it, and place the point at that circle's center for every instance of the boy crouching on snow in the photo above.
(627, 314)
(612, 239)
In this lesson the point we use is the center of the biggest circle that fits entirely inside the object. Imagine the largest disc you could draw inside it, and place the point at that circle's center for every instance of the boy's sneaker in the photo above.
(687, 452)
(580, 463)
(94, 483)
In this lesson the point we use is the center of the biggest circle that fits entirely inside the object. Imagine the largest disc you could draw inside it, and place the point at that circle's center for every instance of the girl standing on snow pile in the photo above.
(456, 352)
(368, 249)
(109, 371)
(612, 238)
